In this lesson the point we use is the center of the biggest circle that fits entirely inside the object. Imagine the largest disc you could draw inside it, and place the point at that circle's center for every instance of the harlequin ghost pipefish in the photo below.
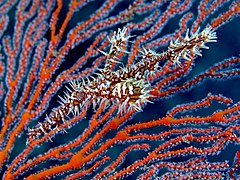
(127, 86)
